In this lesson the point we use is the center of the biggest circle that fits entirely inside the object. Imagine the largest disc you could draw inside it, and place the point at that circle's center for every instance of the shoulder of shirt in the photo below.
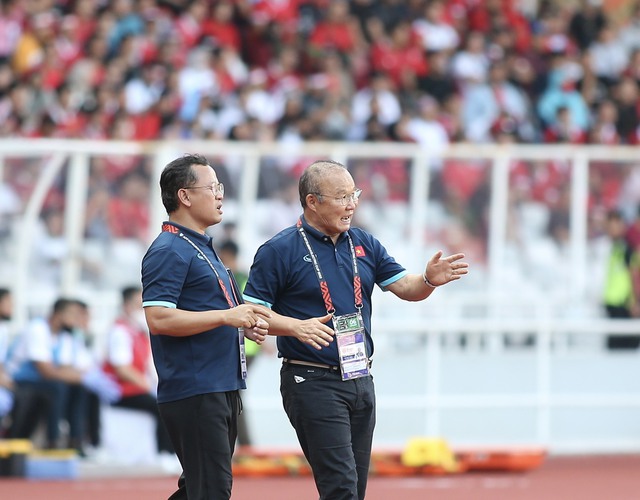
(362, 235)
(282, 237)
(166, 241)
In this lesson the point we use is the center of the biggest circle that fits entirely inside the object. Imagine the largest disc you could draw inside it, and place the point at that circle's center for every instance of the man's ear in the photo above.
(183, 196)
(312, 201)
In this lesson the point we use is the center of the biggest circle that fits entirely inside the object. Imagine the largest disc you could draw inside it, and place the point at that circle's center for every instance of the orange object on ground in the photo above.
(251, 462)
(516, 460)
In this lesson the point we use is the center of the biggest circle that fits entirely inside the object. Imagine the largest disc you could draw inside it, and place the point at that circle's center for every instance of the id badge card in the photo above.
(243, 355)
(352, 347)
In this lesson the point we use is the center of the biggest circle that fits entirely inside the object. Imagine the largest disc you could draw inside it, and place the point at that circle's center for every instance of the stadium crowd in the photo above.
(319, 69)
(430, 72)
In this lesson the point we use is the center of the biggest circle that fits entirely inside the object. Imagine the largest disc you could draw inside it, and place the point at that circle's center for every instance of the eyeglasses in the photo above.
(344, 200)
(218, 187)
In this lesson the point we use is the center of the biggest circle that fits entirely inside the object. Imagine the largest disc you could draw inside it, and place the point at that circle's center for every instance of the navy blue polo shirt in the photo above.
(282, 278)
(175, 275)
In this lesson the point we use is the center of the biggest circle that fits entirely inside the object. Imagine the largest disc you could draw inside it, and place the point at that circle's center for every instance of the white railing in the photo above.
(487, 306)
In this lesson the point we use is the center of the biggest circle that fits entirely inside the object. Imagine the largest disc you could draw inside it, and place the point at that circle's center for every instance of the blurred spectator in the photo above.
(425, 129)
(438, 82)
(586, 22)
(500, 14)
(220, 27)
(604, 129)
(10, 207)
(471, 64)
(128, 213)
(399, 56)
(629, 31)
(143, 91)
(608, 58)
(196, 80)
(189, 25)
(50, 248)
(29, 50)
(128, 360)
(123, 21)
(10, 28)
(6, 381)
(563, 129)
(54, 368)
(561, 92)
(619, 297)
(376, 100)
(336, 32)
(435, 32)
(485, 104)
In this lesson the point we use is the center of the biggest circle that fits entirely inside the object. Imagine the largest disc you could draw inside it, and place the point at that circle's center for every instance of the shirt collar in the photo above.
(317, 234)
(203, 239)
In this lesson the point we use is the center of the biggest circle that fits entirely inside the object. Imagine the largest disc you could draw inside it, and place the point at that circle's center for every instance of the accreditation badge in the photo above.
(352, 346)
(243, 354)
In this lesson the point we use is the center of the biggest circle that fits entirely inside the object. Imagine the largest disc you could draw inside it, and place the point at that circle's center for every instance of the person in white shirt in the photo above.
(129, 360)
(6, 382)
(53, 367)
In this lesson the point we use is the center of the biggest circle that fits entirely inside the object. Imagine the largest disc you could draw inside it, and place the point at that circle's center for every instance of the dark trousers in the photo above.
(621, 341)
(334, 421)
(94, 420)
(203, 430)
(244, 436)
(30, 406)
(148, 404)
(62, 402)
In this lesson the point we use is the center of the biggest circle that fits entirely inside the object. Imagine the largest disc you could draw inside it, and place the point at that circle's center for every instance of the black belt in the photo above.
(315, 365)
(309, 363)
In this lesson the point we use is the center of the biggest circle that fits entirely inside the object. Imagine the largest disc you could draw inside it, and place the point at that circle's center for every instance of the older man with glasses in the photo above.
(323, 268)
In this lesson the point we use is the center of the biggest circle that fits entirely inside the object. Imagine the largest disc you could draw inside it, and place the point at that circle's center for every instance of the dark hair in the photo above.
(4, 292)
(230, 246)
(62, 304)
(177, 175)
(129, 291)
(310, 179)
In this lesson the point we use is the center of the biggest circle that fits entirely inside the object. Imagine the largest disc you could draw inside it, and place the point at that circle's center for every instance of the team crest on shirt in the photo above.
(360, 251)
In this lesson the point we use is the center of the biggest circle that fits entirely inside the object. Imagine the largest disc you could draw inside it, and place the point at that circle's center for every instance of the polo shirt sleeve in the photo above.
(388, 271)
(266, 276)
(163, 275)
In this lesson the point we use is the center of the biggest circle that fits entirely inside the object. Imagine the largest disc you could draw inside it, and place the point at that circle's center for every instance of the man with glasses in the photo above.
(197, 323)
(323, 266)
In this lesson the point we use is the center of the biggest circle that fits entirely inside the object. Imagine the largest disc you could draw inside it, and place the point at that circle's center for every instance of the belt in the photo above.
(309, 363)
(316, 365)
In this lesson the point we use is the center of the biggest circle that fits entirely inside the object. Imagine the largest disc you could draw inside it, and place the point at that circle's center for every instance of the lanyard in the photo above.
(324, 286)
(170, 228)
(243, 358)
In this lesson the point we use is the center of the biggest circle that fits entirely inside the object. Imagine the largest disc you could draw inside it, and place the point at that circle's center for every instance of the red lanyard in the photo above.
(324, 286)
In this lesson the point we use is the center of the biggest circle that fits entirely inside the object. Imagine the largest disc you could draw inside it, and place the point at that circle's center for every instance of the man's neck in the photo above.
(187, 222)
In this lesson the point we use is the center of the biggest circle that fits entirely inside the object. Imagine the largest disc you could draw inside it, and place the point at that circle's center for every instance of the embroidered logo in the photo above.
(169, 228)
(307, 258)
(298, 379)
(360, 251)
